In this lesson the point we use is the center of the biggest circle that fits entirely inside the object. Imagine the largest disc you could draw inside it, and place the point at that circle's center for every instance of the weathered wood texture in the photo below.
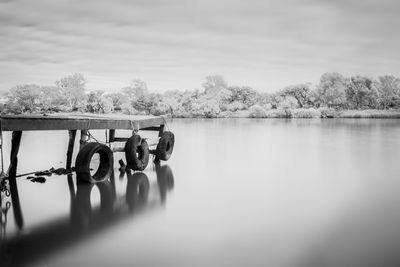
(78, 122)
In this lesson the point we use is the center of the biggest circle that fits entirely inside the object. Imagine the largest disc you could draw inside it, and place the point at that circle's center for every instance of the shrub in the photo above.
(370, 113)
(278, 113)
(306, 113)
(327, 112)
(208, 109)
(257, 112)
(160, 108)
(235, 106)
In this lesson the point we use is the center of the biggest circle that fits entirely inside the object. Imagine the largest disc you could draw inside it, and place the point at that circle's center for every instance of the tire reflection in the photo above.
(137, 191)
(82, 213)
(165, 180)
(86, 217)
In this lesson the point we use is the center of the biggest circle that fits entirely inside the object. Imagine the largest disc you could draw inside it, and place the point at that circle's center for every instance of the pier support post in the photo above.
(84, 138)
(71, 142)
(111, 136)
(12, 173)
(15, 141)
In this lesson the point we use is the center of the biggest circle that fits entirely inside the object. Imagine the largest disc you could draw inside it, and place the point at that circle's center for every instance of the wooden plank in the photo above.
(79, 122)
(120, 139)
(153, 128)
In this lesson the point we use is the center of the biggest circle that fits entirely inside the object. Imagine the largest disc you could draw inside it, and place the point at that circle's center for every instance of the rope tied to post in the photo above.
(133, 126)
(4, 188)
(165, 123)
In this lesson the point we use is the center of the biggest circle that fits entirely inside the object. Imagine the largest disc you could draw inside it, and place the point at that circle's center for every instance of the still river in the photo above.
(236, 192)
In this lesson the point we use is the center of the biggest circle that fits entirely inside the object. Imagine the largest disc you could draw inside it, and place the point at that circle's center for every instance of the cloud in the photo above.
(174, 44)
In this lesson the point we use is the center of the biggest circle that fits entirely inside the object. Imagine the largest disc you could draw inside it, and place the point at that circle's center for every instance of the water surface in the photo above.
(236, 192)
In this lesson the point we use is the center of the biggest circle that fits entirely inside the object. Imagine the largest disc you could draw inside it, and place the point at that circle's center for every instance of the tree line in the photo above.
(215, 99)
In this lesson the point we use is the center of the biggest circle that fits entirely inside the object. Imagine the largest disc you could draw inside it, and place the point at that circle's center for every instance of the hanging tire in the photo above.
(82, 163)
(165, 146)
(136, 153)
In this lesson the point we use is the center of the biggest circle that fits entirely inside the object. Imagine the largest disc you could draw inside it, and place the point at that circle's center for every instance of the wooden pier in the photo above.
(136, 149)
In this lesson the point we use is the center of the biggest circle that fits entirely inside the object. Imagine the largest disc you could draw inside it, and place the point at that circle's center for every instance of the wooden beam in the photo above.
(153, 128)
(120, 139)
(121, 147)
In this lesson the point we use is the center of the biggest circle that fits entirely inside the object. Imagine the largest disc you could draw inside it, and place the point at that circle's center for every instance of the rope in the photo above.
(4, 188)
(133, 126)
(95, 139)
(166, 124)
(88, 125)
(91, 136)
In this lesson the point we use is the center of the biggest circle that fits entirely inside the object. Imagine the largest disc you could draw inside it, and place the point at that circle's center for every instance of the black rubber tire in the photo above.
(165, 146)
(82, 163)
(137, 153)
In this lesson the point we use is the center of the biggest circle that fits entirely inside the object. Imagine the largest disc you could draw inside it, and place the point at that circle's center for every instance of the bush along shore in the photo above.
(323, 113)
(335, 96)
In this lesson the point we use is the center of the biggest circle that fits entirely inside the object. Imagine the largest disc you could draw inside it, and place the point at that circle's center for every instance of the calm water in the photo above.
(236, 192)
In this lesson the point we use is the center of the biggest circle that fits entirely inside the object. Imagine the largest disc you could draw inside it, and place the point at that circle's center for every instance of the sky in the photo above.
(175, 44)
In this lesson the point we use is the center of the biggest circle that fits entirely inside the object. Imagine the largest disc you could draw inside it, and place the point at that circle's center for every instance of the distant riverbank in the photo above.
(260, 112)
(307, 113)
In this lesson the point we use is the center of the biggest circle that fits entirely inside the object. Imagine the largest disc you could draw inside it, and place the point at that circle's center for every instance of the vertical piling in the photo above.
(12, 173)
(71, 142)
(111, 135)
(15, 141)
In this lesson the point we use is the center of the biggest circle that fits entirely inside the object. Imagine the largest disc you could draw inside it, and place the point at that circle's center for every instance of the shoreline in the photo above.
(310, 113)
(260, 113)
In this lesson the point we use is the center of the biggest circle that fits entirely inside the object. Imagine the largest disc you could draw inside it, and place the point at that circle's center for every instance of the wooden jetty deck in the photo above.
(79, 122)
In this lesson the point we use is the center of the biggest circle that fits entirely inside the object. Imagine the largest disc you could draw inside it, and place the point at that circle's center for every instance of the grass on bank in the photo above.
(259, 112)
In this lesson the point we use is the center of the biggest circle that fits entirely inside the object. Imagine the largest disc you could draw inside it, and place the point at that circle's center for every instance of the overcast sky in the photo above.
(174, 44)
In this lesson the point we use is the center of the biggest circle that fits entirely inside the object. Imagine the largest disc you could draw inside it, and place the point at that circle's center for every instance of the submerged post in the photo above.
(12, 173)
(71, 142)
(15, 141)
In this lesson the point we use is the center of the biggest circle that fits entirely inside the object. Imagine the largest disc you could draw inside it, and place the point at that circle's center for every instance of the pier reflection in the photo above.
(85, 219)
